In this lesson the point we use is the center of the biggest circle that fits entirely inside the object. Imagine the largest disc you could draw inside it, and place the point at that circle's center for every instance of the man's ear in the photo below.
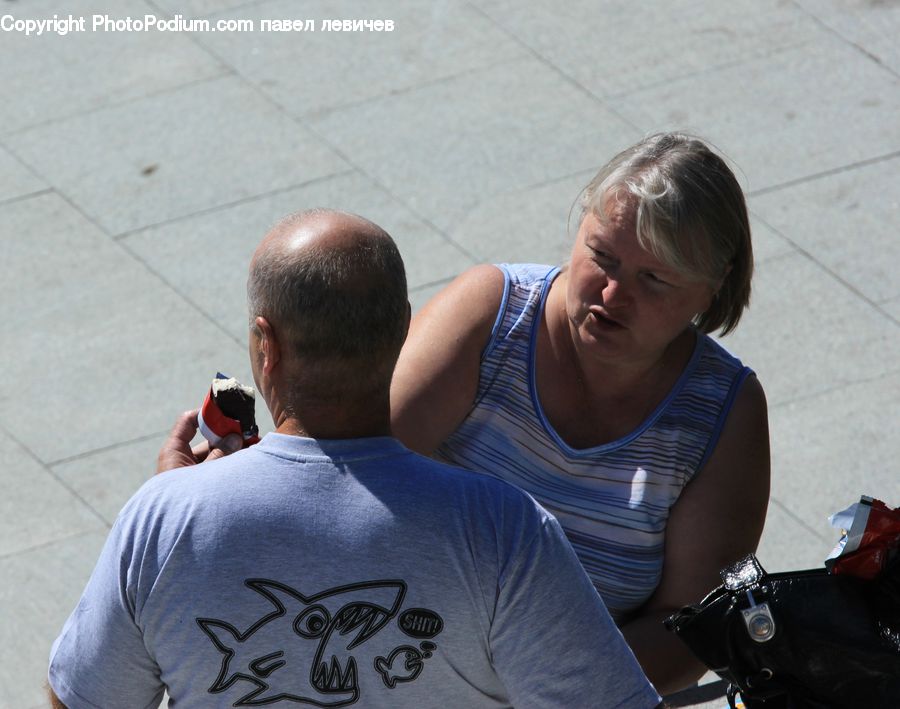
(269, 350)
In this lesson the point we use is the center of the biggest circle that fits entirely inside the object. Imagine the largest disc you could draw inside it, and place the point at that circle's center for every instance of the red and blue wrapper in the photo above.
(228, 408)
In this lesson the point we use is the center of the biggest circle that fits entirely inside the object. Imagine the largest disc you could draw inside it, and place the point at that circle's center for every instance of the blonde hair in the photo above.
(690, 214)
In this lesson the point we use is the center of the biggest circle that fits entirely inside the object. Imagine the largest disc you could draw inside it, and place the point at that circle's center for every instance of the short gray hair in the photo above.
(334, 304)
(691, 215)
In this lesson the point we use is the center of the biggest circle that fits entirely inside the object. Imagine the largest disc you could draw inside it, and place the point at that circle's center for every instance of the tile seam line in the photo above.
(828, 270)
(177, 292)
(473, 258)
(323, 113)
(114, 105)
(24, 197)
(227, 205)
(105, 449)
(887, 157)
(5, 147)
(52, 474)
(784, 508)
(858, 47)
(557, 70)
(78, 210)
(772, 259)
(343, 156)
(586, 174)
(431, 284)
(724, 66)
(215, 14)
(803, 398)
(225, 11)
(44, 545)
(880, 307)
(164, 281)
(302, 123)
(589, 173)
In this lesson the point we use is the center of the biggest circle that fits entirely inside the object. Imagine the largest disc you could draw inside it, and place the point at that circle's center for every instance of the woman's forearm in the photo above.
(664, 658)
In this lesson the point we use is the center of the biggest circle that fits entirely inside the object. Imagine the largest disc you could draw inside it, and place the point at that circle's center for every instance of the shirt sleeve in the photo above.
(100, 660)
(553, 642)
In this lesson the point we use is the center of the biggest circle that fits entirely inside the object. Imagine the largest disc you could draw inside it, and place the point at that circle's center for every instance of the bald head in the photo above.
(333, 287)
(318, 231)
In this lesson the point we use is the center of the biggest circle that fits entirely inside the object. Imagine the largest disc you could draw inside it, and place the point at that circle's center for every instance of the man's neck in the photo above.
(347, 420)
(293, 427)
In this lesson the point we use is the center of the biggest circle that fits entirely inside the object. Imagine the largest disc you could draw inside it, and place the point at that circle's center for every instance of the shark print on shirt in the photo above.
(272, 655)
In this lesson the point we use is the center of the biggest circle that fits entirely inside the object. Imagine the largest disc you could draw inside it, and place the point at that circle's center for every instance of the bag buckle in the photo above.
(758, 619)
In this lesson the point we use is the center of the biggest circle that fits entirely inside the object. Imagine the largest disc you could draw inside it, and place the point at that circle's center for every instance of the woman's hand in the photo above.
(717, 520)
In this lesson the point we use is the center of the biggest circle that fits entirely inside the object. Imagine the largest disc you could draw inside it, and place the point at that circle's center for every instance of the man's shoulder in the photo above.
(179, 486)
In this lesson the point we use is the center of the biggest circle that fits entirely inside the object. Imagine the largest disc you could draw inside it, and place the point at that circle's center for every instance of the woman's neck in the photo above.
(590, 401)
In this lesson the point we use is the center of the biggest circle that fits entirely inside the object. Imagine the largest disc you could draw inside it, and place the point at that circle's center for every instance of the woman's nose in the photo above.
(615, 293)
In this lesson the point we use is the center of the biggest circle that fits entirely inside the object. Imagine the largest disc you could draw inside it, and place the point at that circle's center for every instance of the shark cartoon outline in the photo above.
(312, 621)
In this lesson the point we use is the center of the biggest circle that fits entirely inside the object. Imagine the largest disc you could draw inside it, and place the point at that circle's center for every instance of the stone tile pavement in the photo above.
(139, 169)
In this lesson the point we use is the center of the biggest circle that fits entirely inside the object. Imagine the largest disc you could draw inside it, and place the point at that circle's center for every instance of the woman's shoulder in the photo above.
(477, 298)
(526, 274)
(470, 300)
(715, 377)
(713, 351)
(527, 281)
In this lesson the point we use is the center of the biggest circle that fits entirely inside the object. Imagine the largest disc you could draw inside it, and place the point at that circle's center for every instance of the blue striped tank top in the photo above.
(612, 500)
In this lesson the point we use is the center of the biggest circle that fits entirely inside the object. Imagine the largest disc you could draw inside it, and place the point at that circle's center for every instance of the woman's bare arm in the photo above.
(718, 519)
(436, 378)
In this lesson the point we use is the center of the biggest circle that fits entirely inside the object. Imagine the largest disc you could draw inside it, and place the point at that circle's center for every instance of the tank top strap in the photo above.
(525, 286)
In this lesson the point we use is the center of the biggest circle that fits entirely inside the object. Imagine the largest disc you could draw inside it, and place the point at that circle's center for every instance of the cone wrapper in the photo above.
(228, 408)
(871, 539)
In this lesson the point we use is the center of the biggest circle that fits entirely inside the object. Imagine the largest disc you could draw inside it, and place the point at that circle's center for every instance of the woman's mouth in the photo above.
(605, 321)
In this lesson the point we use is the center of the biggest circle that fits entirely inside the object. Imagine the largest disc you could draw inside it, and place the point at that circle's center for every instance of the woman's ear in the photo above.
(718, 285)
(721, 282)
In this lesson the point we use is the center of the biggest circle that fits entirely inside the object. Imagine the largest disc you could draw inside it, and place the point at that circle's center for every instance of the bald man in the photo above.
(328, 565)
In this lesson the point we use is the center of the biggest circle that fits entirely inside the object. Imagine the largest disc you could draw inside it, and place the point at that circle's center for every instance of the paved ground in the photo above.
(138, 171)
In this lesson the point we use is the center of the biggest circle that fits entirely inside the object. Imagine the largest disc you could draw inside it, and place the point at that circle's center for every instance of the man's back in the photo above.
(337, 572)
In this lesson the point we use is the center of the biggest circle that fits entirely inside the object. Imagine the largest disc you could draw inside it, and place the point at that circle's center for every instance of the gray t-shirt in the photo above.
(333, 573)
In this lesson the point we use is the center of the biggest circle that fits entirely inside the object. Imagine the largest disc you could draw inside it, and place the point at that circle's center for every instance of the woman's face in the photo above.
(624, 304)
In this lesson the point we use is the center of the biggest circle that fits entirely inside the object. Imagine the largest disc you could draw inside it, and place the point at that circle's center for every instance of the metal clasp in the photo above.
(758, 619)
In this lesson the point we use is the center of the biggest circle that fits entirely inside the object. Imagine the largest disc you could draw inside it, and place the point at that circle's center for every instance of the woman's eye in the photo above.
(653, 278)
(601, 255)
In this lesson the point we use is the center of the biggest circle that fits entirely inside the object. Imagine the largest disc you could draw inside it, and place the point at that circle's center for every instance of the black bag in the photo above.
(800, 639)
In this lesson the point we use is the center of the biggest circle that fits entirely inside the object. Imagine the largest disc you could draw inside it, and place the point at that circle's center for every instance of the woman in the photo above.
(596, 388)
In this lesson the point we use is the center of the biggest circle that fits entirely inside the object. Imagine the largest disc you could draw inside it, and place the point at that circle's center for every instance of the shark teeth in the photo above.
(371, 618)
(329, 677)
